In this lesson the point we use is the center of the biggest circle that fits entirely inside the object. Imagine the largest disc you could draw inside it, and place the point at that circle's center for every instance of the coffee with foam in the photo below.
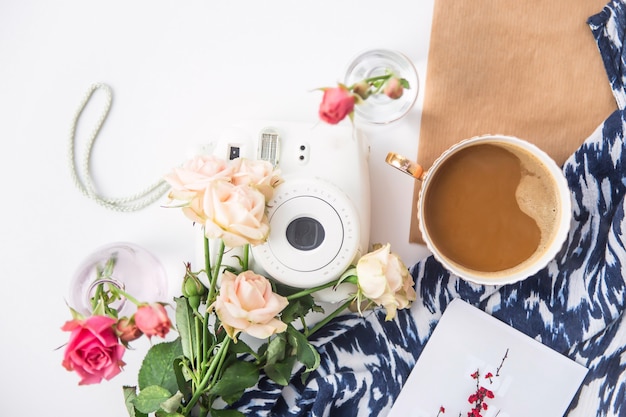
(493, 210)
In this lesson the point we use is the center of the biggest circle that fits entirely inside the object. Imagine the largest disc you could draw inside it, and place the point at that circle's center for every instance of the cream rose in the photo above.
(258, 174)
(189, 181)
(196, 173)
(385, 280)
(246, 303)
(235, 214)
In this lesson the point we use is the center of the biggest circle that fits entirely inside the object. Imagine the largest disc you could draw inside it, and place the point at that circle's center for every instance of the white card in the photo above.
(534, 379)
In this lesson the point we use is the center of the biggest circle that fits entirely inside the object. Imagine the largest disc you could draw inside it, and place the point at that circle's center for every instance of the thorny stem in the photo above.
(217, 361)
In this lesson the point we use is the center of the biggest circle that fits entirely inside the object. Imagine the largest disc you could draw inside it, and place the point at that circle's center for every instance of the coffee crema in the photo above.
(491, 208)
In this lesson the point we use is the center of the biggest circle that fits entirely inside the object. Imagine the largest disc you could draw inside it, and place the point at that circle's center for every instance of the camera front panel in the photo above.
(314, 233)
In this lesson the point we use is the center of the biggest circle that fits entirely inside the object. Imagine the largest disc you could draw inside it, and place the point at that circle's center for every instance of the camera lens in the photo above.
(305, 233)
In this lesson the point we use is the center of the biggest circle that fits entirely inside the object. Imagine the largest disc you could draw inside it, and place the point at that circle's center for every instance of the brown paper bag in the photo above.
(528, 68)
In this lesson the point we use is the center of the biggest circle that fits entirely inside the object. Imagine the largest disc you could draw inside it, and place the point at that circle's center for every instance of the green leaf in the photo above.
(185, 327)
(99, 309)
(241, 347)
(404, 83)
(182, 380)
(305, 351)
(157, 366)
(280, 372)
(130, 393)
(150, 398)
(235, 379)
(276, 349)
(172, 404)
(297, 308)
(349, 276)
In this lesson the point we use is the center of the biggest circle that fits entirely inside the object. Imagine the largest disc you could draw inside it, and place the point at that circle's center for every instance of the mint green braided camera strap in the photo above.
(81, 174)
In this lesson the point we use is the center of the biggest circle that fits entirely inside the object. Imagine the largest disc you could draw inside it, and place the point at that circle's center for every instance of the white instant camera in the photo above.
(320, 215)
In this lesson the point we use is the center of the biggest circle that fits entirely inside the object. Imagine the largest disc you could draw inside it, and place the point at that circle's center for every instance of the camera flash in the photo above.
(269, 146)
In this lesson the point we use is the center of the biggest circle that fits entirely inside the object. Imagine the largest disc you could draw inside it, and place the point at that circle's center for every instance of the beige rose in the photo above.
(196, 173)
(385, 280)
(254, 173)
(246, 303)
(235, 213)
(258, 174)
(189, 181)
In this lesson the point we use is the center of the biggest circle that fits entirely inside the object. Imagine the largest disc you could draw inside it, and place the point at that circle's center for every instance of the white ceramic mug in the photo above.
(540, 192)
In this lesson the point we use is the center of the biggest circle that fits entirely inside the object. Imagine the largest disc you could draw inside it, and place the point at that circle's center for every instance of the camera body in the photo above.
(320, 214)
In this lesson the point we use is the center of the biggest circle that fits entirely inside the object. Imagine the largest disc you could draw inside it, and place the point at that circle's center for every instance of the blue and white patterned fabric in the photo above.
(575, 305)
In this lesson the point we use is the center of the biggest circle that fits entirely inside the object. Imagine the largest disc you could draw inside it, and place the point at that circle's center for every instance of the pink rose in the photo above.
(258, 174)
(337, 103)
(152, 320)
(385, 280)
(235, 214)
(246, 303)
(393, 89)
(93, 350)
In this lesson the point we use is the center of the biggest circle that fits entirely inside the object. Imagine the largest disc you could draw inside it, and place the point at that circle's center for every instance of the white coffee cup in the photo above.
(477, 232)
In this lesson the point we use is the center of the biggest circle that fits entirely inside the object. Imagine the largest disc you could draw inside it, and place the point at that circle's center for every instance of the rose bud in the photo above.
(193, 289)
(152, 320)
(362, 89)
(127, 330)
(394, 89)
(337, 103)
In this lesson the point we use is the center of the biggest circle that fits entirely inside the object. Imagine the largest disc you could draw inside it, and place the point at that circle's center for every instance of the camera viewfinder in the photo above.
(233, 152)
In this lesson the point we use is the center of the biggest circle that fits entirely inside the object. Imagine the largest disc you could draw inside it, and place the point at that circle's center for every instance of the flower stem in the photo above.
(216, 363)
(246, 255)
(205, 339)
(371, 80)
(126, 295)
(331, 316)
(199, 352)
(312, 290)
(207, 257)
(215, 271)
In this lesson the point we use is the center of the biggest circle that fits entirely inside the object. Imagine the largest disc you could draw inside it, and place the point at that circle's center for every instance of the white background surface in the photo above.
(180, 71)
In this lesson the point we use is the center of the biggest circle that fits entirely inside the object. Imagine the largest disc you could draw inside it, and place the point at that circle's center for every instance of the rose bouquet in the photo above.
(210, 364)
(338, 102)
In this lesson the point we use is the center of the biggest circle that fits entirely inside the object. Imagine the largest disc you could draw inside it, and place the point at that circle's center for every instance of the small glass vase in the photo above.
(125, 266)
(380, 109)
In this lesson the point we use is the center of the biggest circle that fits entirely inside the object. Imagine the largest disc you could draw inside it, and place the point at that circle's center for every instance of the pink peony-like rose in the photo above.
(384, 279)
(235, 213)
(246, 303)
(337, 103)
(93, 350)
(393, 89)
(258, 174)
(152, 320)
